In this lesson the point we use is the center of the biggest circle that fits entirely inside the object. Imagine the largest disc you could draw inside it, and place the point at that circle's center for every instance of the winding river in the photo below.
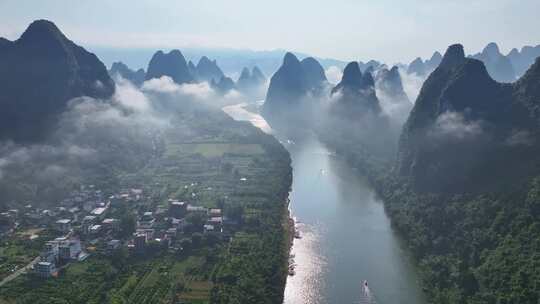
(346, 237)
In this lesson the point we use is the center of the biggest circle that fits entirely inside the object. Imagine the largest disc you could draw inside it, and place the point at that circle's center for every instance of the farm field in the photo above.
(219, 163)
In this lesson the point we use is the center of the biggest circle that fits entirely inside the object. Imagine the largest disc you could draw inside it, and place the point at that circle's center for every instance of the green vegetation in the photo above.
(207, 159)
(18, 250)
(100, 280)
(469, 248)
(472, 248)
(210, 150)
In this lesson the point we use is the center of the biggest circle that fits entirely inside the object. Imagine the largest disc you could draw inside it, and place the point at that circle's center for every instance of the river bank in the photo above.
(346, 234)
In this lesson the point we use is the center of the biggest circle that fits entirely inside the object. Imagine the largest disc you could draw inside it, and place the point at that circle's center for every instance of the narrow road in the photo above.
(17, 273)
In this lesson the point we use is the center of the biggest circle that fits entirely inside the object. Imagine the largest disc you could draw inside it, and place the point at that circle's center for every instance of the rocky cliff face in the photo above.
(467, 131)
(417, 67)
(355, 92)
(433, 62)
(314, 72)
(498, 66)
(122, 70)
(208, 70)
(257, 75)
(389, 82)
(250, 79)
(522, 60)
(172, 64)
(290, 84)
(423, 68)
(371, 64)
(39, 73)
(224, 85)
(390, 92)
(252, 83)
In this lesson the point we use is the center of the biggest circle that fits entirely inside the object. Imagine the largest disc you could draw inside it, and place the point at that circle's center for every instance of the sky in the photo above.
(390, 31)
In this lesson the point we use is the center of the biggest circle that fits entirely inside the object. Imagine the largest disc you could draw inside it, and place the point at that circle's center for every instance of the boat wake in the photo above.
(366, 296)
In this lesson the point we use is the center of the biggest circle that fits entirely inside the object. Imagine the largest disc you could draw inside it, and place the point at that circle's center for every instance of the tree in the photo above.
(128, 223)
(196, 239)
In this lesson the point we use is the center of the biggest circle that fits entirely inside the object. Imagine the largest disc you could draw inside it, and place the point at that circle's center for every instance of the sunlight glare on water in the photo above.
(346, 237)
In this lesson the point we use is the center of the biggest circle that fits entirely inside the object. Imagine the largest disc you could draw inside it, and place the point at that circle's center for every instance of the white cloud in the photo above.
(201, 90)
(80, 151)
(165, 84)
(396, 109)
(129, 96)
(454, 125)
(519, 138)
(333, 74)
(412, 84)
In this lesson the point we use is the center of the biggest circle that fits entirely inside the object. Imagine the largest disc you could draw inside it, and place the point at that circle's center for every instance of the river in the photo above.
(346, 236)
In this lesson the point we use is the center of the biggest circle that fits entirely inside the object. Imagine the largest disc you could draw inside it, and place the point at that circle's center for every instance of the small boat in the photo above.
(365, 289)
(366, 297)
(297, 234)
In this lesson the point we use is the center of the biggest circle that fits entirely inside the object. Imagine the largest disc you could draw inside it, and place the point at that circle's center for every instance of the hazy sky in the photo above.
(386, 30)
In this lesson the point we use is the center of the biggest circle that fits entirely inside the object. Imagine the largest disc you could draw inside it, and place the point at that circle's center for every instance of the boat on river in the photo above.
(366, 297)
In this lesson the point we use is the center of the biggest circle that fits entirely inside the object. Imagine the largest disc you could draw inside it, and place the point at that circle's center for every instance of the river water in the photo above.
(346, 236)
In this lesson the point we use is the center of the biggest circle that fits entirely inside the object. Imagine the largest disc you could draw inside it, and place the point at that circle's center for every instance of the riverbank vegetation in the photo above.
(207, 159)
(469, 248)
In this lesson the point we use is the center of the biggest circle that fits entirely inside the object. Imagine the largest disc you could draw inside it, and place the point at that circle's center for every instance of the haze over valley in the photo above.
(233, 153)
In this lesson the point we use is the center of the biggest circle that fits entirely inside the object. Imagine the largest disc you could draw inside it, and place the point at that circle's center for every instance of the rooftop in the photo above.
(109, 221)
(99, 211)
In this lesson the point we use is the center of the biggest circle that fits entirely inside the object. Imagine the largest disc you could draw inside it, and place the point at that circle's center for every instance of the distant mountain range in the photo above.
(39, 73)
(356, 92)
(249, 79)
(293, 81)
(231, 61)
(422, 68)
(174, 65)
(498, 66)
(120, 69)
(502, 68)
(465, 125)
(252, 83)
(206, 70)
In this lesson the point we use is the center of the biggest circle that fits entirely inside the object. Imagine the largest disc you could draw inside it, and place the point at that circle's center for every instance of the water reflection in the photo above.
(346, 235)
(239, 112)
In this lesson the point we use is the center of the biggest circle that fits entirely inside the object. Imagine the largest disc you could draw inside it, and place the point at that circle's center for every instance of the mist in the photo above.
(412, 84)
(324, 114)
(94, 136)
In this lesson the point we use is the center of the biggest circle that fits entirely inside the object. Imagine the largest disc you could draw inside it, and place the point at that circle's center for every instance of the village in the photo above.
(188, 221)
(88, 222)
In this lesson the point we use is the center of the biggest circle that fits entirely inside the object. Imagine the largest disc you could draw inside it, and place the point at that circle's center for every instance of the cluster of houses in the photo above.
(77, 204)
(165, 226)
(56, 253)
(84, 221)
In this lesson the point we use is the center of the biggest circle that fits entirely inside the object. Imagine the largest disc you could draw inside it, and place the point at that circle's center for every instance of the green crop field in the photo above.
(207, 162)
(210, 150)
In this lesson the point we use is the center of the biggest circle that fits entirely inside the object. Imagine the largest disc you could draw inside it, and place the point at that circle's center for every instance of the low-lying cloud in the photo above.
(333, 74)
(120, 132)
(453, 125)
(412, 84)
(520, 138)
